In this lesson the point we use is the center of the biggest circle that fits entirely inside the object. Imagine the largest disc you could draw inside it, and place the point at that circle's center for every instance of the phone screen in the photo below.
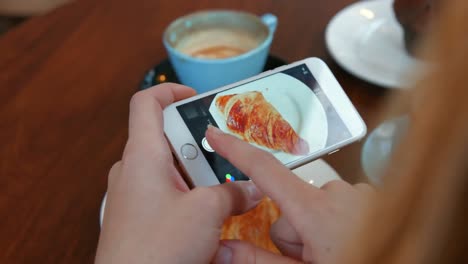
(286, 113)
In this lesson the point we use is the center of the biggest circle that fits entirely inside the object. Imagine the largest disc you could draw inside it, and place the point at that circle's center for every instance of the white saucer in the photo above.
(317, 173)
(366, 40)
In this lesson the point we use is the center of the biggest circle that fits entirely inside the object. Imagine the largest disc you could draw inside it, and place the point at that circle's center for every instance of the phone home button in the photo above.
(189, 151)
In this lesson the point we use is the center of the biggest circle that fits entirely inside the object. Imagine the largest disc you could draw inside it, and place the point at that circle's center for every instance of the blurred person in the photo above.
(417, 216)
(421, 213)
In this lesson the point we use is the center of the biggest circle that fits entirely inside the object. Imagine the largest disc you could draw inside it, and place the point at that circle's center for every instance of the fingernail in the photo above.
(215, 130)
(254, 193)
(223, 255)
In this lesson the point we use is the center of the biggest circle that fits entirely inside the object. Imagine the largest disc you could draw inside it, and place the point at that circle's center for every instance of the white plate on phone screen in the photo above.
(296, 103)
(366, 40)
(316, 173)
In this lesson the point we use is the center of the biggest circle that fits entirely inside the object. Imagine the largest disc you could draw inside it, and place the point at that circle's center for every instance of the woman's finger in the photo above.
(286, 239)
(147, 152)
(146, 111)
(274, 179)
(239, 252)
(114, 172)
(227, 199)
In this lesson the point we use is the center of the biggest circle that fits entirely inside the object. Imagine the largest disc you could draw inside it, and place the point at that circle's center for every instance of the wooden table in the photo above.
(66, 79)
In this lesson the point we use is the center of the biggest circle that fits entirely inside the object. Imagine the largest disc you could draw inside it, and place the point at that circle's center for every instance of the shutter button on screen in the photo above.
(189, 151)
(206, 145)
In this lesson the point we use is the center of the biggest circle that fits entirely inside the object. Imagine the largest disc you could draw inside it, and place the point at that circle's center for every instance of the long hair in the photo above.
(420, 214)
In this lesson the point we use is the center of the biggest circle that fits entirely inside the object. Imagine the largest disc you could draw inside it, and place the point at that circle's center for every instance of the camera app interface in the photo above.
(285, 113)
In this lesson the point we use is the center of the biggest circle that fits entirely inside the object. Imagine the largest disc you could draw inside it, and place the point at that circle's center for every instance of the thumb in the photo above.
(235, 251)
(236, 197)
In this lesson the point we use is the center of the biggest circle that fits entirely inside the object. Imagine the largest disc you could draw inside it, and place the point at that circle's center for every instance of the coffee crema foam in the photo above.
(217, 43)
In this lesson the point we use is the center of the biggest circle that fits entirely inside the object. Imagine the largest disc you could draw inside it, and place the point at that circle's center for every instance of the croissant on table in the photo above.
(250, 116)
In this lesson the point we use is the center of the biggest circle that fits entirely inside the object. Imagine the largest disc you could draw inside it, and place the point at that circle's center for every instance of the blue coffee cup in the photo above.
(206, 73)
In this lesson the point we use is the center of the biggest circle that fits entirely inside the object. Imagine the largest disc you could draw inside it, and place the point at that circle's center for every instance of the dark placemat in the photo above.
(163, 72)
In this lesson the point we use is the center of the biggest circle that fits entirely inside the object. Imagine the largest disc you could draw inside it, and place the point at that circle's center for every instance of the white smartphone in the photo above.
(298, 112)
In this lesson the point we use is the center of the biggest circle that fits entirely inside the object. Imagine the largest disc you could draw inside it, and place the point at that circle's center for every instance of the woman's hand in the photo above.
(314, 221)
(151, 216)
